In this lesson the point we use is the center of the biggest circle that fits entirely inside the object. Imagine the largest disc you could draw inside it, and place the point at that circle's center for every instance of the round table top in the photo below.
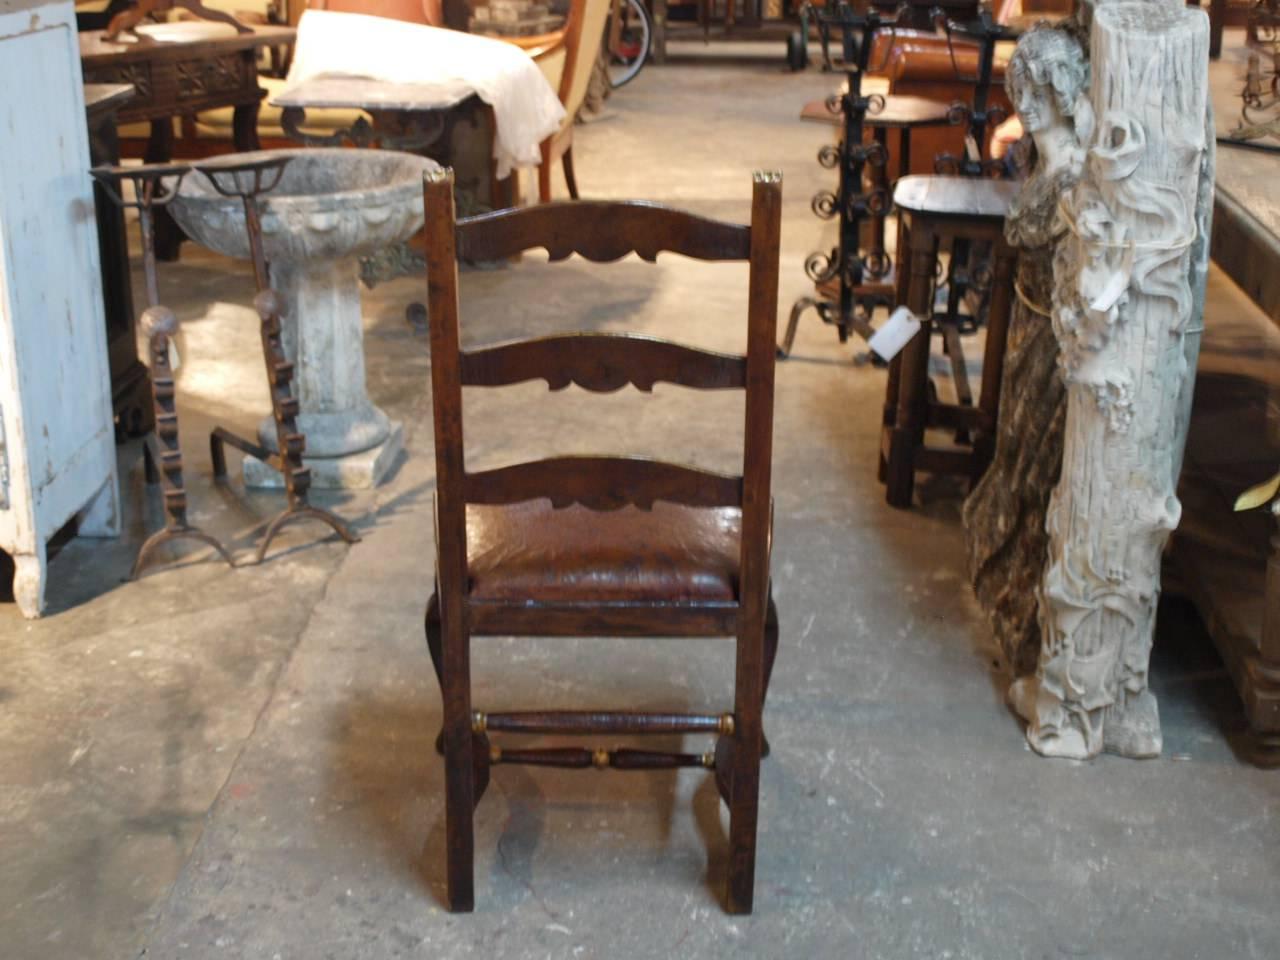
(899, 111)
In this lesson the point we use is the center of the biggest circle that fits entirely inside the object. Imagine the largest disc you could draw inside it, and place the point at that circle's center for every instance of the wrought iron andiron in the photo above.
(845, 269)
(155, 185)
(261, 176)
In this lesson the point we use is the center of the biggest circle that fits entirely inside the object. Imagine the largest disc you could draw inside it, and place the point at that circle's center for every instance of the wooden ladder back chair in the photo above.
(667, 551)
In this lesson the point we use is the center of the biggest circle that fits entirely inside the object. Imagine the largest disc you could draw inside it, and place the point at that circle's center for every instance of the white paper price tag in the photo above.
(897, 331)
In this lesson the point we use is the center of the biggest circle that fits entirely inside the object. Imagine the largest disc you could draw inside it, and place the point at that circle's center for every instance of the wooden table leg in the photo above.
(130, 382)
(244, 128)
(901, 278)
(907, 431)
(160, 150)
(658, 43)
(1217, 20)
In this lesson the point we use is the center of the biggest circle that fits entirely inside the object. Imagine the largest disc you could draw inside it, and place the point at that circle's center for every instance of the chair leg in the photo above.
(544, 172)
(744, 777)
(459, 765)
(544, 181)
(770, 654)
(432, 624)
(433, 638)
(567, 162)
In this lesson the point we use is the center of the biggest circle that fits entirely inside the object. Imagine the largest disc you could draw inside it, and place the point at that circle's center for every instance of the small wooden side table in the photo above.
(933, 212)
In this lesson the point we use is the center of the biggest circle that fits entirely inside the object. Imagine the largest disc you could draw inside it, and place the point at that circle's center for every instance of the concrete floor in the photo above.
(238, 764)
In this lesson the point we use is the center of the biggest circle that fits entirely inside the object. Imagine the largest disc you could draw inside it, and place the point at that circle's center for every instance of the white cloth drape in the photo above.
(455, 65)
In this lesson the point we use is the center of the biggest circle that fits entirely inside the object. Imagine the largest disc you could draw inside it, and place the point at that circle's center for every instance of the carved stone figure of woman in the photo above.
(1004, 518)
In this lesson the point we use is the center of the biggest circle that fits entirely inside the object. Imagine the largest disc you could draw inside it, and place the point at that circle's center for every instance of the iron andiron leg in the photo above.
(155, 185)
(247, 181)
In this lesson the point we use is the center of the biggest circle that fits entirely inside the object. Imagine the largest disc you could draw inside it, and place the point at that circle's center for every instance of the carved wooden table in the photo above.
(933, 212)
(178, 78)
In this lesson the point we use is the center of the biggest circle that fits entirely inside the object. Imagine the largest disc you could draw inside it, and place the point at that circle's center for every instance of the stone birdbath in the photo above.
(331, 207)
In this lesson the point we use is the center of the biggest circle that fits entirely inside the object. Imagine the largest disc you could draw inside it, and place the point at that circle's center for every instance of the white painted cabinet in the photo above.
(57, 450)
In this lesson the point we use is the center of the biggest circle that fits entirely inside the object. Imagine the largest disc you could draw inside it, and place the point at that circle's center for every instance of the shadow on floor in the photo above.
(386, 771)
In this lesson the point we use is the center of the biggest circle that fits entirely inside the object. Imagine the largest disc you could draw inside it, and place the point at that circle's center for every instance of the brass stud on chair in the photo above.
(479, 722)
(600, 758)
(495, 754)
(709, 759)
(726, 724)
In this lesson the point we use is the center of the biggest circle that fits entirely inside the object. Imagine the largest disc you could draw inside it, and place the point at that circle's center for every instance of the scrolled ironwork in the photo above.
(1264, 21)
(825, 204)
(947, 165)
(876, 264)
(852, 271)
(848, 307)
(875, 202)
(1260, 97)
(873, 153)
(821, 267)
(994, 169)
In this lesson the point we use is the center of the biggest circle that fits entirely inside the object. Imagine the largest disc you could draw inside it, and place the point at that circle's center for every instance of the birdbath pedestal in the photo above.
(331, 207)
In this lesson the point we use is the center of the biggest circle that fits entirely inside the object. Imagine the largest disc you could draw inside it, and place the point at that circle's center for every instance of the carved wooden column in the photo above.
(1122, 308)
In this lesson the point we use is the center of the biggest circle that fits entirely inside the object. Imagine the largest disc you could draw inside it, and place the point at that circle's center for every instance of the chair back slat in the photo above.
(603, 483)
(602, 363)
(600, 231)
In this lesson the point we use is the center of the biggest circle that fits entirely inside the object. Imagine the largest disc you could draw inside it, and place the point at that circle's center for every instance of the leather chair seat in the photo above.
(533, 552)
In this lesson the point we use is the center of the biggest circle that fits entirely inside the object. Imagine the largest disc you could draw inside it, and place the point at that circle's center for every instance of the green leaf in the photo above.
(1256, 496)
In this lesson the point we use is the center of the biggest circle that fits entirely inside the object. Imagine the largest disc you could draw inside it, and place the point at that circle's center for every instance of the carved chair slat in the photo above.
(602, 363)
(602, 483)
(600, 231)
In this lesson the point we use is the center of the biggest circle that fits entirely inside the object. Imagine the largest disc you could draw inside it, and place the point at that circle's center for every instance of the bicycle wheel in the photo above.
(627, 56)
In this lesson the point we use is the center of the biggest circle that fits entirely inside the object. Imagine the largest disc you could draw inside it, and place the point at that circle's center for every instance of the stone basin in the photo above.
(331, 207)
